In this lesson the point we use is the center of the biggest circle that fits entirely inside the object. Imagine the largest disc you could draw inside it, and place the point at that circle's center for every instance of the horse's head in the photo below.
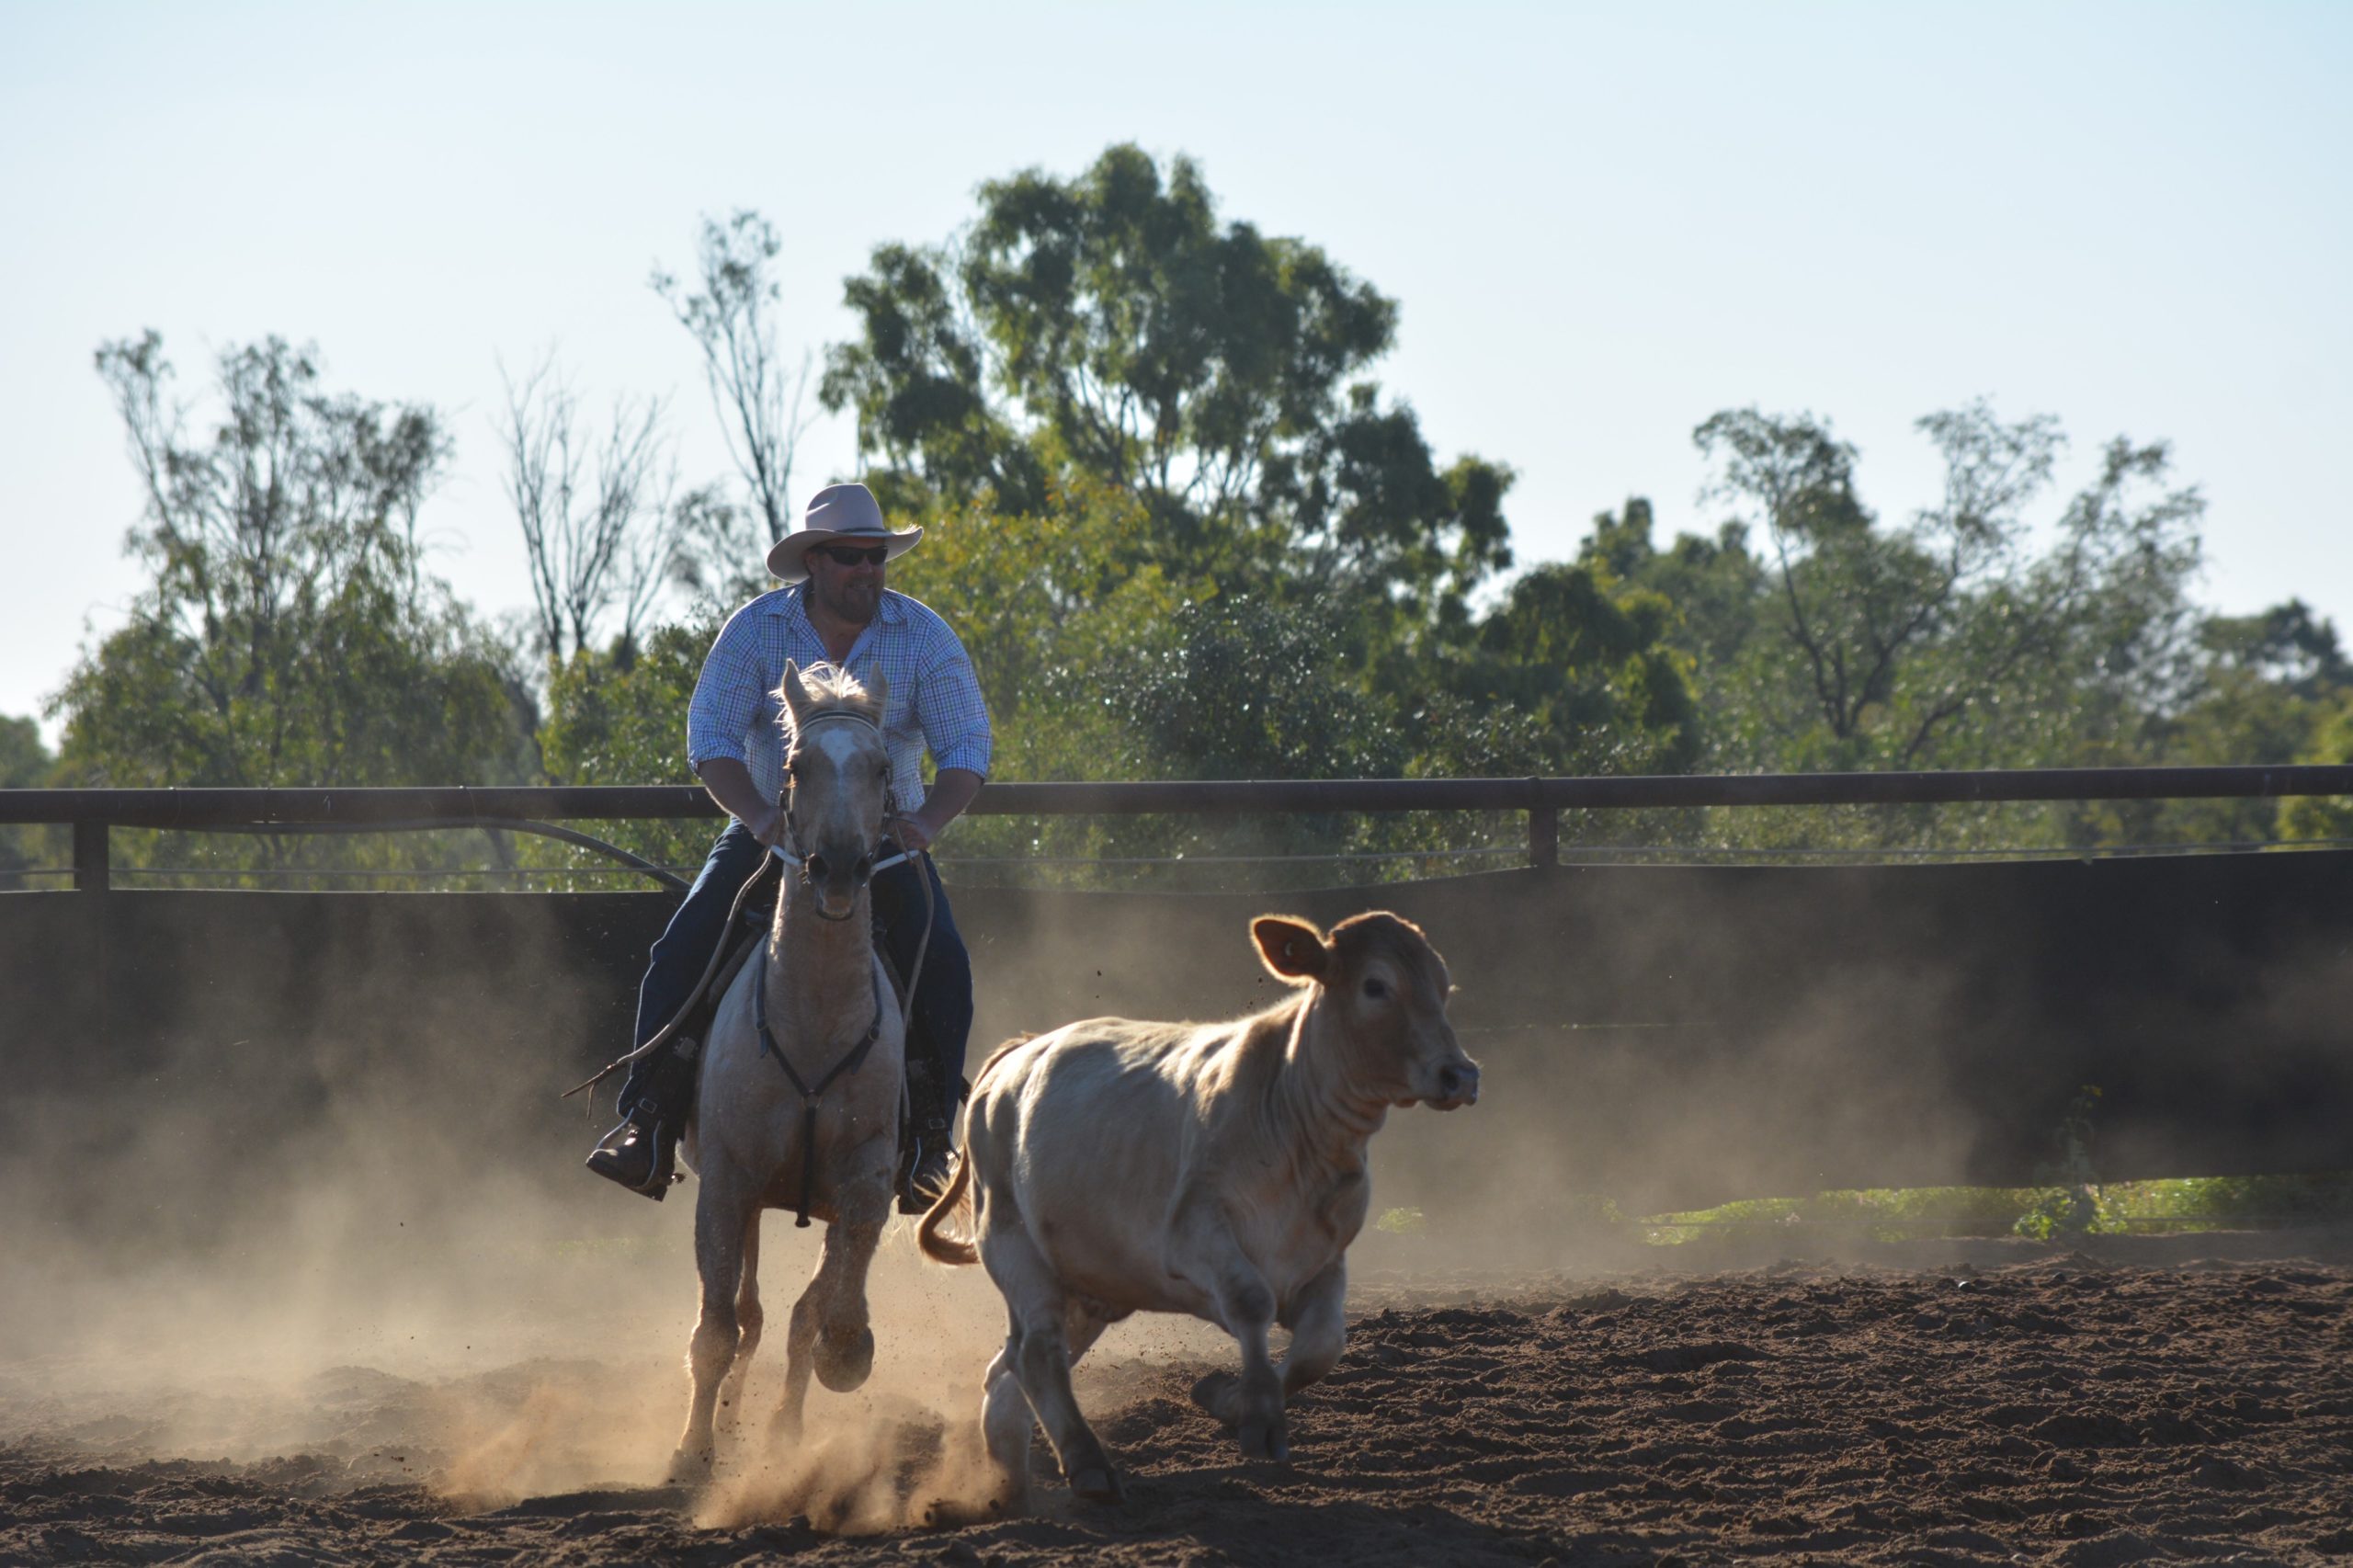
(836, 782)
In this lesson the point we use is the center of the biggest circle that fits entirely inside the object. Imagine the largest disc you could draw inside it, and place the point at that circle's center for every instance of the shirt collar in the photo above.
(792, 603)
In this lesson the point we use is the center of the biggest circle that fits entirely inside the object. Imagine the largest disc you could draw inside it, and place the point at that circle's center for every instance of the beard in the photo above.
(851, 598)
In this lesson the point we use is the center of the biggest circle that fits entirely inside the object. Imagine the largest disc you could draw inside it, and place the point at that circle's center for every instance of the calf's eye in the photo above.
(1376, 989)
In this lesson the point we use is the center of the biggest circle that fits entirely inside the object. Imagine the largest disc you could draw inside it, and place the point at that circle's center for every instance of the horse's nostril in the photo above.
(816, 865)
(864, 869)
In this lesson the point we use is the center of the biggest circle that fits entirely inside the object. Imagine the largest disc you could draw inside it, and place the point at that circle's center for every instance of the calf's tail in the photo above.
(955, 1199)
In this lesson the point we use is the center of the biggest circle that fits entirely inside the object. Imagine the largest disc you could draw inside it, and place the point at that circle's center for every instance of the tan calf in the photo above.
(1115, 1166)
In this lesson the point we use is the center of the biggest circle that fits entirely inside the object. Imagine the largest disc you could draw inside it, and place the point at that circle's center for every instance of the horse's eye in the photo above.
(1376, 988)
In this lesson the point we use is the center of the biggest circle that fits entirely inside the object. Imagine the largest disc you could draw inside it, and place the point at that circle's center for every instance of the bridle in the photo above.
(791, 852)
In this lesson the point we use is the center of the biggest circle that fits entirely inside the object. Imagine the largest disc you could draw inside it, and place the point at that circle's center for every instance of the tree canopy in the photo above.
(1185, 533)
(1110, 328)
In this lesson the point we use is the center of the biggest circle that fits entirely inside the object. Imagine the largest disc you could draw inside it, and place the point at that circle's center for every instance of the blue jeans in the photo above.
(942, 1006)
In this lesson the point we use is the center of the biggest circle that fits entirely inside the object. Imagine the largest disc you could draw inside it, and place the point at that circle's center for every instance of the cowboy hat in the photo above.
(837, 512)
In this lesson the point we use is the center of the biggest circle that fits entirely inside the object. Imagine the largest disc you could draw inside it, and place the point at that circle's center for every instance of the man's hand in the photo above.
(730, 783)
(950, 793)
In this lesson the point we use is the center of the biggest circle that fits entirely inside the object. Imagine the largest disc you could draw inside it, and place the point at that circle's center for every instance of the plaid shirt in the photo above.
(934, 700)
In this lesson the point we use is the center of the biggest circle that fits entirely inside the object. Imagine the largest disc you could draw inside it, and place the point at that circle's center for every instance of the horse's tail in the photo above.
(958, 1199)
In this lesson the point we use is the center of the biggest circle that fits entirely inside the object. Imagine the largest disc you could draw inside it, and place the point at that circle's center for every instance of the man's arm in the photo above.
(952, 792)
(730, 783)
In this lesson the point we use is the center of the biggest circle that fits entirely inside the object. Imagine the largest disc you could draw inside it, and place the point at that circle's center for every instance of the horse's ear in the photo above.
(1293, 949)
(879, 690)
(795, 695)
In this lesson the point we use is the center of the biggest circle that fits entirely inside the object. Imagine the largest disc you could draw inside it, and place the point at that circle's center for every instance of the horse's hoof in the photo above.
(1264, 1440)
(1216, 1393)
(1098, 1483)
(846, 1370)
(688, 1468)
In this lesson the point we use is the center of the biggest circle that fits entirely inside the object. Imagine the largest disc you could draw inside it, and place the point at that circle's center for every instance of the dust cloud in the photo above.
(335, 1222)
(304, 1193)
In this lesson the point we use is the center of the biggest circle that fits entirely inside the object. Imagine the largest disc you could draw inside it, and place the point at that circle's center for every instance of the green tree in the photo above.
(1108, 328)
(287, 633)
(1947, 643)
(2323, 816)
(24, 764)
(2265, 689)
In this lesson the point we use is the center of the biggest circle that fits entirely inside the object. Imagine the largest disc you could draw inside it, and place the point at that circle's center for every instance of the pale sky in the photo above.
(1602, 225)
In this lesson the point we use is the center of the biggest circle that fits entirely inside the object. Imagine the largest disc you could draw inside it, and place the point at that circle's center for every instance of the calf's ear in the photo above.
(1293, 949)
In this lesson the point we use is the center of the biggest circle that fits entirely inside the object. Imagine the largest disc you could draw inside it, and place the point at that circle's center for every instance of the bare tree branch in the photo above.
(758, 401)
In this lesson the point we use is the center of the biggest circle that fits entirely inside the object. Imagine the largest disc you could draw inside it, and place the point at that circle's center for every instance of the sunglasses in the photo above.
(851, 555)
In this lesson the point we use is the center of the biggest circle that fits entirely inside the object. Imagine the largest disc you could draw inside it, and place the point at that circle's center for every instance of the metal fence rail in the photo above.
(93, 812)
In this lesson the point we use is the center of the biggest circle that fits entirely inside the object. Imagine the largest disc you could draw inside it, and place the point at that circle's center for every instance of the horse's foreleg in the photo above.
(829, 1333)
(748, 1321)
(720, 1210)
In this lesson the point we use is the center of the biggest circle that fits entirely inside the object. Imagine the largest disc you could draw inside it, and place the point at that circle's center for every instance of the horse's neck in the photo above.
(820, 974)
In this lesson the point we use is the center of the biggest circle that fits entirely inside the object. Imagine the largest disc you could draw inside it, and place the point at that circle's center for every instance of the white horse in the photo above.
(799, 1102)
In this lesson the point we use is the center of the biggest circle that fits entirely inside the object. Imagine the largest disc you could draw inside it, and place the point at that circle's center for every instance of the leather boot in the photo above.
(641, 1152)
(640, 1156)
(928, 1154)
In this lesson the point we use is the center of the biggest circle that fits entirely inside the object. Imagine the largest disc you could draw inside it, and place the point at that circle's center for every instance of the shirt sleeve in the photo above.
(727, 693)
(948, 705)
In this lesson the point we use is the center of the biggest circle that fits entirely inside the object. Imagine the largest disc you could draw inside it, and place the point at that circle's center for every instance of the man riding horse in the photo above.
(837, 611)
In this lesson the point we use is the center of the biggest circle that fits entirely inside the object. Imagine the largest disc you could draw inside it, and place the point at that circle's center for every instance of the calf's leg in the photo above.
(1203, 1252)
(1319, 1330)
(1006, 1419)
(1006, 1423)
(1040, 1356)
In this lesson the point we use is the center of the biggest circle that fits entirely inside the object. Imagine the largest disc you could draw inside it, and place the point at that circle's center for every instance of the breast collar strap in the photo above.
(850, 1062)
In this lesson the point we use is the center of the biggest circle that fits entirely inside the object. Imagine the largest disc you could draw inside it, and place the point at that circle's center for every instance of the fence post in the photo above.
(1544, 827)
(90, 857)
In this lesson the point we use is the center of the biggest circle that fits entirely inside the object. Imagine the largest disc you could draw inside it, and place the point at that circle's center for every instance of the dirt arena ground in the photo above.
(2185, 1400)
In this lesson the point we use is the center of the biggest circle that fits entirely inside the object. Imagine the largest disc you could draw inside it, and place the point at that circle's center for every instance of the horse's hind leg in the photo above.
(748, 1321)
(720, 1210)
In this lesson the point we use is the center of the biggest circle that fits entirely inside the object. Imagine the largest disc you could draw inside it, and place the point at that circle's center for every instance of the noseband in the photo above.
(794, 856)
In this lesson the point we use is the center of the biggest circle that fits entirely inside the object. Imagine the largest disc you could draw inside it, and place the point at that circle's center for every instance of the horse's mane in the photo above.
(830, 689)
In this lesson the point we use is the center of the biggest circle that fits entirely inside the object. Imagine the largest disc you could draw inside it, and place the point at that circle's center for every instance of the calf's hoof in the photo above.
(1097, 1482)
(1220, 1394)
(844, 1368)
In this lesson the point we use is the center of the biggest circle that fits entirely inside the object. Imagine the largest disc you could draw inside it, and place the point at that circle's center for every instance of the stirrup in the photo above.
(618, 1159)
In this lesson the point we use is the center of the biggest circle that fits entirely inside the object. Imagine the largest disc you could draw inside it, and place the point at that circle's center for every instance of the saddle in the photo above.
(924, 1111)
